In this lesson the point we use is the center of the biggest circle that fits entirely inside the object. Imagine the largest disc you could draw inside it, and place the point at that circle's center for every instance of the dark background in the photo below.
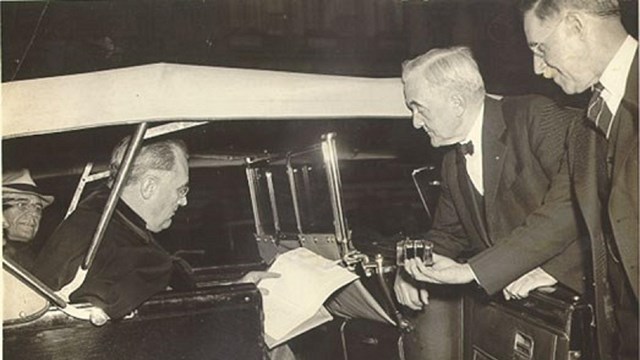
(352, 37)
(347, 37)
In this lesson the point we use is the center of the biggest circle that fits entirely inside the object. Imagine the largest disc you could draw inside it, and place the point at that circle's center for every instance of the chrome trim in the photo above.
(294, 193)
(423, 197)
(116, 189)
(79, 189)
(252, 181)
(171, 128)
(307, 193)
(330, 156)
(272, 201)
(33, 282)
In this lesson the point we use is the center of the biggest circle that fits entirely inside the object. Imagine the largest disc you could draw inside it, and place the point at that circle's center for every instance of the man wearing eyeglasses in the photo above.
(582, 45)
(22, 206)
(129, 266)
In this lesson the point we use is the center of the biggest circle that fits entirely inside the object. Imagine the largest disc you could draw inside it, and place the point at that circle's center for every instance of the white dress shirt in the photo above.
(614, 77)
(474, 162)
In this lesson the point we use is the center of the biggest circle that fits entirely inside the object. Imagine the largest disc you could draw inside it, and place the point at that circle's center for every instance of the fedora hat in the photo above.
(20, 182)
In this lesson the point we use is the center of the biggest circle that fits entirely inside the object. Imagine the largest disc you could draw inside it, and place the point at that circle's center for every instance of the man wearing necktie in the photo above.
(583, 45)
(495, 184)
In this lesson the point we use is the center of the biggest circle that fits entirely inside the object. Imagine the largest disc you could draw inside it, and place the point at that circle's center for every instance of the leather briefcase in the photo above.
(554, 324)
(366, 340)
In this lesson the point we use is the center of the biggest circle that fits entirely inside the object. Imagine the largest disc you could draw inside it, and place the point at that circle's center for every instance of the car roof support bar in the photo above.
(294, 193)
(116, 189)
(33, 282)
(330, 154)
(272, 201)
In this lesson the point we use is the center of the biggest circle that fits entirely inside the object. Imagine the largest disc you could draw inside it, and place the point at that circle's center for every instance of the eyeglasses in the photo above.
(24, 205)
(535, 46)
(183, 191)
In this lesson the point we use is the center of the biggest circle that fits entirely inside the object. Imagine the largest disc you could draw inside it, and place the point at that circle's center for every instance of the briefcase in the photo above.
(554, 324)
(364, 339)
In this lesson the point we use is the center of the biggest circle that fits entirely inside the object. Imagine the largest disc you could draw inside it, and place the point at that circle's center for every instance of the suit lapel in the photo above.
(624, 183)
(493, 150)
(470, 203)
(628, 107)
(583, 157)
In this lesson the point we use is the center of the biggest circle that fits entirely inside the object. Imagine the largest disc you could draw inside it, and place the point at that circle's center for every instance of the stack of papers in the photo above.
(294, 303)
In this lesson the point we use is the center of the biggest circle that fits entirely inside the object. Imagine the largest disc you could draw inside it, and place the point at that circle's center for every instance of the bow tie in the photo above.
(466, 148)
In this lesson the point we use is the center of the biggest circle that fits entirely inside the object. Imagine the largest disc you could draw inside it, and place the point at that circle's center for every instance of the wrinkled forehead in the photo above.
(19, 197)
(418, 89)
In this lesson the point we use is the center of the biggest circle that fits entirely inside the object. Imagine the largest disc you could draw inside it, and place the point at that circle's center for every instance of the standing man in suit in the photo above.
(583, 45)
(495, 184)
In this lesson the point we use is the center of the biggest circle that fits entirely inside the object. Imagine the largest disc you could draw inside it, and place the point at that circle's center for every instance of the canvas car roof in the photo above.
(167, 92)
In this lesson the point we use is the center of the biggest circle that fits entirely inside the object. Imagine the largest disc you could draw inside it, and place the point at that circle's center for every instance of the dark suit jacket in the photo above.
(129, 266)
(623, 199)
(523, 146)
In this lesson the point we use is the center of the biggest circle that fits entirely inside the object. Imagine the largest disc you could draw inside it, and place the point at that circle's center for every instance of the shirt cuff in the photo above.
(474, 275)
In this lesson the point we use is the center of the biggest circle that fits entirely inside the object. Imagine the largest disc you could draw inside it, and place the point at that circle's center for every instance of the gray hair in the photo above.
(452, 69)
(544, 9)
(159, 155)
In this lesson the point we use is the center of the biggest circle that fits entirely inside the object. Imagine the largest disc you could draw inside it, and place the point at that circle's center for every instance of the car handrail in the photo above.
(33, 282)
(114, 196)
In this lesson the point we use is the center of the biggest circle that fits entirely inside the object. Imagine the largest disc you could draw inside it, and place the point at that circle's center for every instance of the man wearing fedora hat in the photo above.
(22, 206)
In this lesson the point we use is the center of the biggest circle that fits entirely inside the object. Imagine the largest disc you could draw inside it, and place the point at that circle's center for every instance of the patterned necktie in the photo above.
(599, 112)
(466, 148)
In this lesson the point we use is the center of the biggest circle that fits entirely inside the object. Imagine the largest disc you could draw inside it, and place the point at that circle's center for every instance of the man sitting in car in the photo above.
(129, 266)
(22, 206)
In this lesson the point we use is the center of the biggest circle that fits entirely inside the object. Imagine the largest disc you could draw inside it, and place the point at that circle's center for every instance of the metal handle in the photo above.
(125, 166)
(523, 346)
(403, 324)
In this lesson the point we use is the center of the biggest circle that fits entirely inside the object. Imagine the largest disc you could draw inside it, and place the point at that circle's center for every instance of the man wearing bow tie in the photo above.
(495, 184)
(583, 45)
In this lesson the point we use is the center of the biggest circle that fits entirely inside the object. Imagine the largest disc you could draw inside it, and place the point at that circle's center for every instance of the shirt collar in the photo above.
(131, 215)
(614, 77)
(475, 133)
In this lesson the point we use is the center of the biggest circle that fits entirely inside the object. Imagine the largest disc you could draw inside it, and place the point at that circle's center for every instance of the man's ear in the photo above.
(459, 104)
(575, 23)
(148, 186)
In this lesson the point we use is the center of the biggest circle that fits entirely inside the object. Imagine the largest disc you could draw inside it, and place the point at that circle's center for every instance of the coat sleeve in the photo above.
(62, 254)
(552, 227)
(125, 277)
(569, 266)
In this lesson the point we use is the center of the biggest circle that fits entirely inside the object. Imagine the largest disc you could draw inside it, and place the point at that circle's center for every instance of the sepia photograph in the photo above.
(320, 179)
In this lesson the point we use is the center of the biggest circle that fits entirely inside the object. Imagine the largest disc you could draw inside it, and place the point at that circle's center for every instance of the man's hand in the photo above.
(532, 280)
(257, 276)
(408, 295)
(443, 271)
